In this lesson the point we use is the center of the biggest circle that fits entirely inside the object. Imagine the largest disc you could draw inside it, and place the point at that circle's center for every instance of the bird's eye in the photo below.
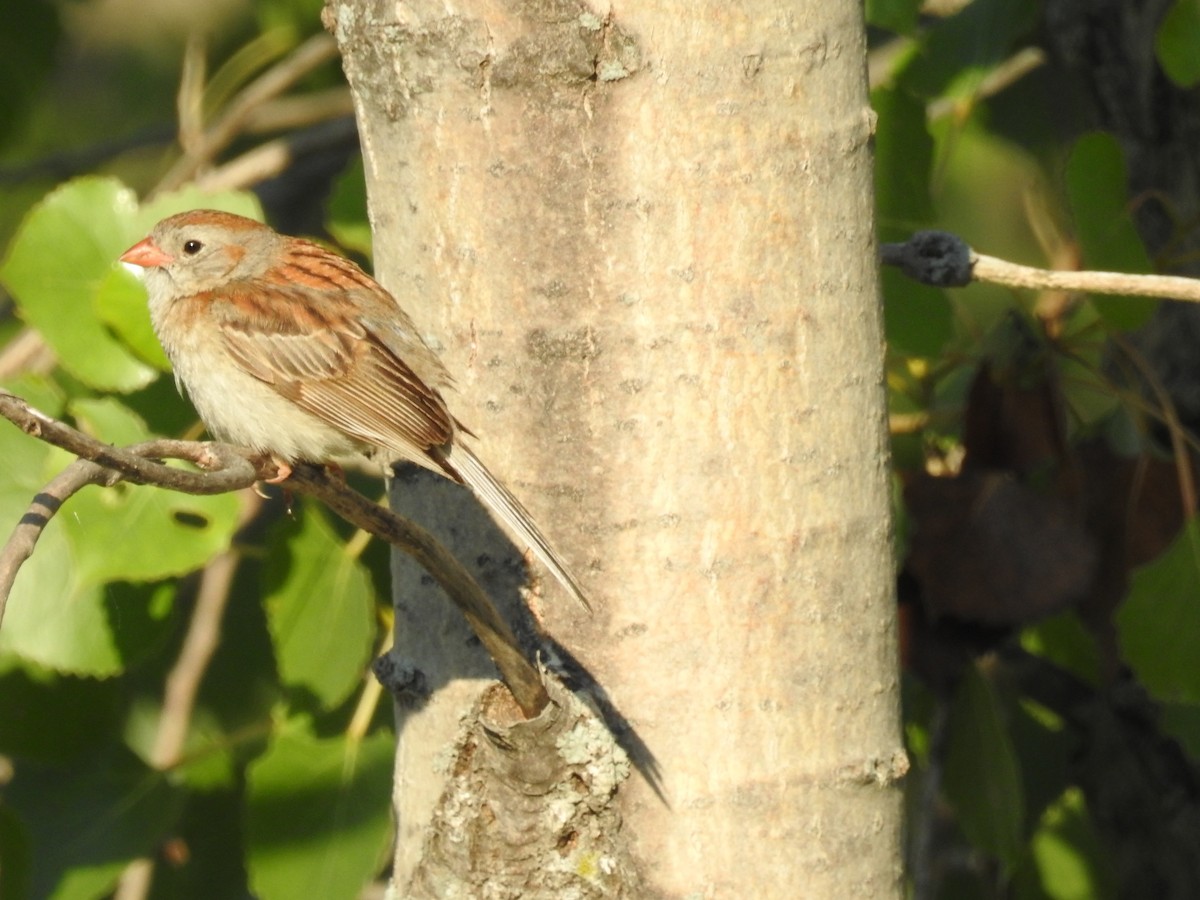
(191, 248)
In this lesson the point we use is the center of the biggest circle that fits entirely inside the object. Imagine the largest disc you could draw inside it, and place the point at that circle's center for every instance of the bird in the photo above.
(291, 350)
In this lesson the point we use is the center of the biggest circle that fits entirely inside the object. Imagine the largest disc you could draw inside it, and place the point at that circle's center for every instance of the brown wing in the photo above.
(333, 367)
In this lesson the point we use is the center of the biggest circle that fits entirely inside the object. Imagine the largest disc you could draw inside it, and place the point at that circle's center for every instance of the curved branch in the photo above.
(229, 468)
(491, 629)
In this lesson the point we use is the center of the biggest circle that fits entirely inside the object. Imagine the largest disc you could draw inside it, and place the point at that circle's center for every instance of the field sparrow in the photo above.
(288, 349)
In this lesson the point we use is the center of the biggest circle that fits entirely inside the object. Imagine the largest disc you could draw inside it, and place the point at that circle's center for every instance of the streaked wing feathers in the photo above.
(351, 380)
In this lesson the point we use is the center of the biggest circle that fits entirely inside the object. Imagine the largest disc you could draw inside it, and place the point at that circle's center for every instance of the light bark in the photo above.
(642, 239)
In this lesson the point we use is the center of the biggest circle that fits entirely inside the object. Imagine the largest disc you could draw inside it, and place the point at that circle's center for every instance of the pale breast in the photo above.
(240, 409)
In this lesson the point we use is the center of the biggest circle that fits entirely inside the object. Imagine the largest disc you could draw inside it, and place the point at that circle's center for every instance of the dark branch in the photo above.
(226, 468)
(229, 468)
(936, 258)
(493, 632)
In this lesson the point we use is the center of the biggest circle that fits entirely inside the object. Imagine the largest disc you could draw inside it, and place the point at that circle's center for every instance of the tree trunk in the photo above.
(642, 240)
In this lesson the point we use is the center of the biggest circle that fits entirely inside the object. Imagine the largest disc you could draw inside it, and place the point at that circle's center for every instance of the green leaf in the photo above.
(120, 303)
(65, 248)
(982, 780)
(133, 533)
(208, 750)
(903, 163)
(62, 270)
(301, 16)
(318, 815)
(1087, 389)
(109, 420)
(57, 621)
(15, 856)
(1038, 733)
(1160, 619)
(41, 392)
(27, 51)
(1066, 855)
(1177, 41)
(962, 50)
(899, 16)
(918, 320)
(51, 618)
(1099, 199)
(348, 222)
(320, 605)
(1182, 722)
(84, 715)
(86, 822)
(1065, 641)
(54, 617)
(111, 529)
(163, 408)
(25, 466)
(62, 614)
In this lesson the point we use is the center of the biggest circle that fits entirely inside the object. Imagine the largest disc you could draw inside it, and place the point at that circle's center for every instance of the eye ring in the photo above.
(192, 247)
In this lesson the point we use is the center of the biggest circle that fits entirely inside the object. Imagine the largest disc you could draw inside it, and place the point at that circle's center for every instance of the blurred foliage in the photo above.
(280, 786)
(1176, 46)
(1050, 582)
(1008, 418)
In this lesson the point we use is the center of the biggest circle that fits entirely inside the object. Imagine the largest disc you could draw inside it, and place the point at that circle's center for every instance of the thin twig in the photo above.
(493, 632)
(368, 701)
(314, 52)
(229, 468)
(941, 259)
(999, 271)
(21, 543)
(27, 352)
(189, 99)
(272, 158)
(994, 82)
(135, 881)
(300, 111)
(199, 644)
(1168, 415)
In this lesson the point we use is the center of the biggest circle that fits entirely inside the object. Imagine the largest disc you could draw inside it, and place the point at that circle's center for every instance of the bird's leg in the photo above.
(283, 471)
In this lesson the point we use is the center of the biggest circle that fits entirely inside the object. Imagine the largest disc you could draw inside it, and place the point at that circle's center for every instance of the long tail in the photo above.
(508, 509)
